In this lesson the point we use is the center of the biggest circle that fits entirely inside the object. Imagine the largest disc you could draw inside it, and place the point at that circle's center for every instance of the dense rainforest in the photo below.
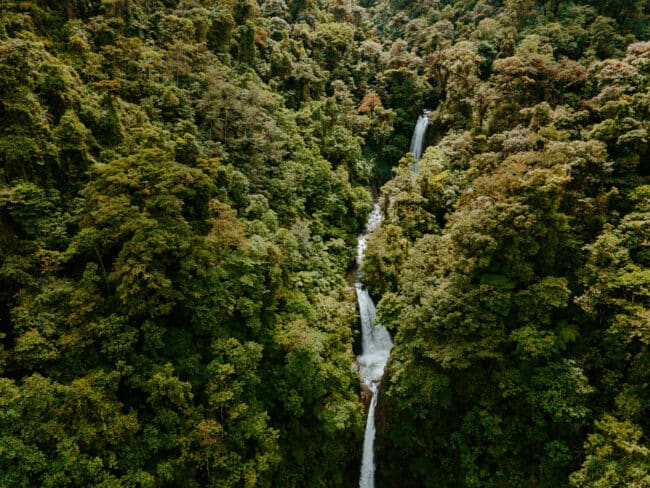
(182, 183)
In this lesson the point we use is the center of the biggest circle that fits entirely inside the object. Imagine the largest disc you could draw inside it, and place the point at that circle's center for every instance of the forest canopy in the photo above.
(182, 184)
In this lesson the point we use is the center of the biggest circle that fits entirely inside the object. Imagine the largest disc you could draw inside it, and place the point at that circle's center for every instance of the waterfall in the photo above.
(376, 345)
(417, 141)
(375, 339)
(367, 479)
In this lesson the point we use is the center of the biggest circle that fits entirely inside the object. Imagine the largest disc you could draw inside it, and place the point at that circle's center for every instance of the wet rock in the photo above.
(365, 395)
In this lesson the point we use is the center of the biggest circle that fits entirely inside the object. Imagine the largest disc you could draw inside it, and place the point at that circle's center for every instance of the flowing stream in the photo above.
(375, 339)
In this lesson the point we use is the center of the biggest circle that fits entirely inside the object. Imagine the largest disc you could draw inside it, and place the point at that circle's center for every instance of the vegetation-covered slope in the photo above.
(514, 266)
(181, 186)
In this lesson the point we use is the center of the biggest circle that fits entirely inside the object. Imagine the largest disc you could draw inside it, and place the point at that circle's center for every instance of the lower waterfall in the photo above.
(376, 345)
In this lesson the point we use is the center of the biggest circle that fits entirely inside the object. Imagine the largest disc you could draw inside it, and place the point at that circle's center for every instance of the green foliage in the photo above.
(181, 185)
(181, 188)
(615, 457)
(512, 268)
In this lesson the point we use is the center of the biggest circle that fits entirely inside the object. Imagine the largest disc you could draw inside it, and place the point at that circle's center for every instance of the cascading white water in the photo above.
(367, 479)
(376, 345)
(375, 339)
(417, 140)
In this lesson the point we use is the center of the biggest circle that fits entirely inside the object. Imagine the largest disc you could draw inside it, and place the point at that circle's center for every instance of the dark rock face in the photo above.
(366, 396)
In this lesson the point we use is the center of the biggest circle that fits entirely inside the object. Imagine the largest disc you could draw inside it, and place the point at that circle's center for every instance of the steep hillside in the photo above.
(514, 266)
(181, 188)
(182, 183)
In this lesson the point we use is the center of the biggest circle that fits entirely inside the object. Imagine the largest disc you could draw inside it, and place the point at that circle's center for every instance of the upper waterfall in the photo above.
(417, 141)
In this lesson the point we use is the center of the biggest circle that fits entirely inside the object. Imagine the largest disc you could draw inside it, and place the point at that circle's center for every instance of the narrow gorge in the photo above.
(376, 342)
